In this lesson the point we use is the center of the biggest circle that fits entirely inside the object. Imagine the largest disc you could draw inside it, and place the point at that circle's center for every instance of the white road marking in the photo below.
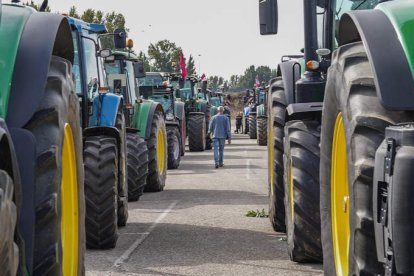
(248, 170)
(124, 257)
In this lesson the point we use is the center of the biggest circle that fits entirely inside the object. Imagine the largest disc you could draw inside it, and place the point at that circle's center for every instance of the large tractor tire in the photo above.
(276, 125)
(183, 134)
(196, 132)
(301, 177)
(122, 196)
(9, 250)
(353, 127)
(157, 155)
(252, 126)
(137, 163)
(209, 141)
(101, 191)
(59, 238)
(246, 125)
(262, 131)
(174, 147)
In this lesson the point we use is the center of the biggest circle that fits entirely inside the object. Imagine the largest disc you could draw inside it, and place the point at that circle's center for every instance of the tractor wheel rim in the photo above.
(69, 198)
(160, 151)
(340, 199)
(271, 156)
(176, 148)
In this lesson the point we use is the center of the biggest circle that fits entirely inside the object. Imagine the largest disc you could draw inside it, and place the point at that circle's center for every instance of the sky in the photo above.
(222, 35)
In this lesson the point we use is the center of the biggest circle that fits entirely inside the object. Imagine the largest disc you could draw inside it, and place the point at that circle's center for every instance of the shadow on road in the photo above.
(174, 245)
(194, 197)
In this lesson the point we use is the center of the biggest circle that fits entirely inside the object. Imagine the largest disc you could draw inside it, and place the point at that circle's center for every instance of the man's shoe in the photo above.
(217, 166)
(221, 165)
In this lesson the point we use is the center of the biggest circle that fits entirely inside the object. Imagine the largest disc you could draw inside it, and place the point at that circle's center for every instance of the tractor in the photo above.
(146, 155)
(197, 111)
(261, 116)
(104, 136)
(155, 87)
(341, 138)
(216, 100)
(250, 111)
(42, 207)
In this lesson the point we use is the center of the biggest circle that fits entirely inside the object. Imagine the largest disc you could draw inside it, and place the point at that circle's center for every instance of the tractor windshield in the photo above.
(261, 97)
(164, 100)
(150, 80)
(113, 68)
(186, 91)
(215, 101)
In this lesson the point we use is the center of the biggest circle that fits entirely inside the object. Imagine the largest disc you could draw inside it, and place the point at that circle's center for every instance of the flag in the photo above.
(257, 84)
(203, 77)
(182, 66)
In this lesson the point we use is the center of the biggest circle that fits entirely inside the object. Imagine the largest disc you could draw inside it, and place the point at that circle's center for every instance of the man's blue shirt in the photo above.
(220, 127)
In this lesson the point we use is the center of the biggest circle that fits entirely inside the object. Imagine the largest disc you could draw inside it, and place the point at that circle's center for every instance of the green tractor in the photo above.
(42, 206)
(216, 99)
(155, 87)
(261, 116)
(341, 137)
(145, 120)
(197, 111)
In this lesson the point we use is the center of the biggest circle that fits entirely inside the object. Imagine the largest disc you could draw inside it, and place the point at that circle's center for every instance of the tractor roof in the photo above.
(126, 55)
(89, 27)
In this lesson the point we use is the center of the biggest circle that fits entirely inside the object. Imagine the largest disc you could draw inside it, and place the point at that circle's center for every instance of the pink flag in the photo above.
(203, 77)
(257, 84)
(182, 66)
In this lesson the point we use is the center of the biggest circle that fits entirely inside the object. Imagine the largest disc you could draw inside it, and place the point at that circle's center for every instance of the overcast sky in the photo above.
(224, 32)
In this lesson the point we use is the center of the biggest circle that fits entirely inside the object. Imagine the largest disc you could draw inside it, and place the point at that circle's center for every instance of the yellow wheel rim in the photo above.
(292, 203)
(160, 151)
(271, 155)
(69, 197)
(340, 199)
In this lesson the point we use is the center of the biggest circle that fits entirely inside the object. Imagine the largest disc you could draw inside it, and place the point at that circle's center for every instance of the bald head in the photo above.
(220, 109)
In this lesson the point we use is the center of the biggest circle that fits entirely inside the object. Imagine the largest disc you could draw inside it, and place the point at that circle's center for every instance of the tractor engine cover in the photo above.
(393, 200)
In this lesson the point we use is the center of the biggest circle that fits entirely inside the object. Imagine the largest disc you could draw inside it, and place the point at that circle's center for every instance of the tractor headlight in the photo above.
(170, 117)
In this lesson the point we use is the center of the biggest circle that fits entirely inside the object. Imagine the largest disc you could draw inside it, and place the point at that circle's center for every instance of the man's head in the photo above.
(220, 109)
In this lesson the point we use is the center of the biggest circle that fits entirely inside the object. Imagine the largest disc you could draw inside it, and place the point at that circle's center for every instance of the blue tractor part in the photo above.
(104, 139)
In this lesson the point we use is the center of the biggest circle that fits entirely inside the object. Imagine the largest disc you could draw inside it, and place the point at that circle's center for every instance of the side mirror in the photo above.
(120, 39)
(139, 71)
(268, 16)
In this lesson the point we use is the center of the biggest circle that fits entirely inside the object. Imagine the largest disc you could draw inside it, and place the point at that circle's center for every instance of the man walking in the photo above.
(220, 128)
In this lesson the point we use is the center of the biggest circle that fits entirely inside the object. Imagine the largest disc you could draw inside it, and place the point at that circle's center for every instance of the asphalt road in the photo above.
(197, 226)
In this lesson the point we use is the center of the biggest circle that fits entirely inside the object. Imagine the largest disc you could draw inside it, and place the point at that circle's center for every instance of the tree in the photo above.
(191, 65)
(249, 77)
(73, 12)
(165, 56)
(142, 57)
(35, 6)
(234, 81)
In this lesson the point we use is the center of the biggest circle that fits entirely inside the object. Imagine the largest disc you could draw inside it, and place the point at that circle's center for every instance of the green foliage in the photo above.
(144, 59)
(257, 214)
(165, 56)
(35, 6)
(191, 65)
(73, 12)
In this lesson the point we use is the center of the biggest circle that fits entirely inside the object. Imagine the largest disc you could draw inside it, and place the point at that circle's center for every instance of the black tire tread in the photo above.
(262, 131)
(276, 115)
(302, 153)
(252, 126)
(137, 163)
(196, 132)
(101, 182)
(155, 179)
(173, 163)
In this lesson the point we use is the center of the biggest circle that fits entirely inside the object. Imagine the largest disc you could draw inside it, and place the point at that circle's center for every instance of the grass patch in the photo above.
(257, 214)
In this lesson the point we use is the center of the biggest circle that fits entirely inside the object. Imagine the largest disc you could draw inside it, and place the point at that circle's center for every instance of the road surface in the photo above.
(197, 226)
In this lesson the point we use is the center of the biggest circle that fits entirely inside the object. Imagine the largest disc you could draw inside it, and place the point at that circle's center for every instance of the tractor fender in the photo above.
(299, 111)
(180, 110)
(44, 35)
(261, 111)
(290, 72)
(103, 130)
(104, 110)
(393, 61)
(203, 106)
(144, 117)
